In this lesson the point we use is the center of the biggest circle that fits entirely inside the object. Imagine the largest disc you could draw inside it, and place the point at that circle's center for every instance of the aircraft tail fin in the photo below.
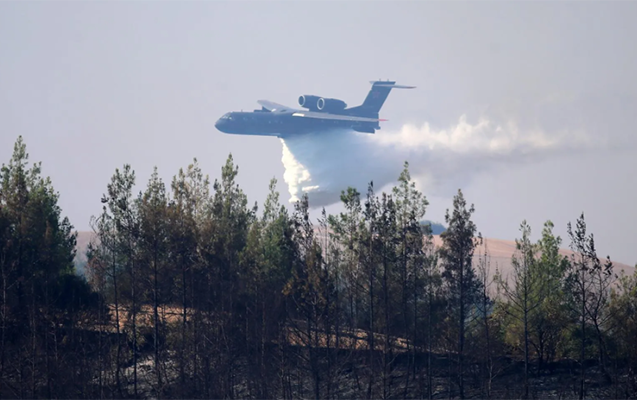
(377, 96)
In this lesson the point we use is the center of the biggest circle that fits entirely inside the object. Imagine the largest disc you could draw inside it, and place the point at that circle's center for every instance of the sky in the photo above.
(92, 86)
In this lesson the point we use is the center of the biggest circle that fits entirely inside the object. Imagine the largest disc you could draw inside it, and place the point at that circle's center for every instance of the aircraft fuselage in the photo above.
(282, 123)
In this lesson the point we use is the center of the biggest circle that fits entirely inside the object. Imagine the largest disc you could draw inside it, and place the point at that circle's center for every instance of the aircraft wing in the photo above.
(274, 107)
(337, 117)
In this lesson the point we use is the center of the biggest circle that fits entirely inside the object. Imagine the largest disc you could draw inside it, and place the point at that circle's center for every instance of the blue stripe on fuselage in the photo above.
(279, 123)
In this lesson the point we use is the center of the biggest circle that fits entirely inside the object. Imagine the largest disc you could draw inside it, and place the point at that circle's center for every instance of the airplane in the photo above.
(322, 114)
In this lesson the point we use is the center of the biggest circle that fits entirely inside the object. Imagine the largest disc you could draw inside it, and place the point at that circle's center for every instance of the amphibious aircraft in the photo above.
(321, 114)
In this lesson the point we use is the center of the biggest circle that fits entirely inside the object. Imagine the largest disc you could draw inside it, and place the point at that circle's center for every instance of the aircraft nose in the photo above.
(219, 124)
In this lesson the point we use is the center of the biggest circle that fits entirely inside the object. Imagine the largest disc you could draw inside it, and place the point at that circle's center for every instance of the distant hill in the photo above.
(500, 252)
(436, 227)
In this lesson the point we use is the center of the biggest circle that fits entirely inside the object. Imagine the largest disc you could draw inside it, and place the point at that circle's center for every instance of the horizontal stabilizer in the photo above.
(391, 85)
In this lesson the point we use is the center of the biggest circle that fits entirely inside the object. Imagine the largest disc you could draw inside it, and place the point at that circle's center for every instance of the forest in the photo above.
(192, 291)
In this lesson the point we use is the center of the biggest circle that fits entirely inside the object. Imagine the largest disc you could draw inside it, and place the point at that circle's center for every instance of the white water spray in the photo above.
(323, 164)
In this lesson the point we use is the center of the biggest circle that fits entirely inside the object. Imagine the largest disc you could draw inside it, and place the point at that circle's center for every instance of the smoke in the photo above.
(440, 161)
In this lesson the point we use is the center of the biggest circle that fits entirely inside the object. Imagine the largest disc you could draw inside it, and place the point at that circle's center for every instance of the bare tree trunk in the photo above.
(461, 333)
(195, 334)
(100, 361)
(119, 340)
(526, 348)
(45, 332)
(182, 364)
(33, 343)
(386, 347)
(156, 317)
(4, 320)
(601, 351)
(370, 334)
(582, 350)
(133, 310)
(429, 334)
(489, 357)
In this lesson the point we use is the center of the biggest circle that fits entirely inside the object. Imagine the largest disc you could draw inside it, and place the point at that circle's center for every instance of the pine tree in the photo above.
(307, 290)
(347, 230)
(385, 250)
(588, 282)
(224, 237)
(456, 254)
(267, 262)
(623, 325)
(117, 231)
(153, 221)
(526, 291)
(369, 260)
(487, 322)
(551, 318)
(411, 206)
(430, 277)
(40, 294)
(188, 213)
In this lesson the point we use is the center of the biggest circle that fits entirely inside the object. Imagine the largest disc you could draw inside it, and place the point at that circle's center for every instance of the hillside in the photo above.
(500, 252)
(348, 347)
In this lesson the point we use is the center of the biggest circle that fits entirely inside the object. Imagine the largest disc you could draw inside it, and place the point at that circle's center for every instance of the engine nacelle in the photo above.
(309, 101)
(330, 105)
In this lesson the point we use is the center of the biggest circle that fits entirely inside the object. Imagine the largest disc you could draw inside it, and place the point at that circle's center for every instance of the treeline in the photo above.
(192, 292)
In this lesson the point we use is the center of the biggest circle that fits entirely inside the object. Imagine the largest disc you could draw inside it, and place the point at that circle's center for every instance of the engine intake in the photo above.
(309, 101)
(330, 105)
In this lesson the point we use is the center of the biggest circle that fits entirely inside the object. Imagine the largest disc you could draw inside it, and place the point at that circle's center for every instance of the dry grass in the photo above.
(296, 333)
(356, 339)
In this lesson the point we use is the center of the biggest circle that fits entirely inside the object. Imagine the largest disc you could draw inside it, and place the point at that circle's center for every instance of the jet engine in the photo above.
(330, 105)
(309, 101)
(316, 103)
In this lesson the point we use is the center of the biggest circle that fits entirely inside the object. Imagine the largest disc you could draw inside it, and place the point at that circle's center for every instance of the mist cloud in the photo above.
(441, 160)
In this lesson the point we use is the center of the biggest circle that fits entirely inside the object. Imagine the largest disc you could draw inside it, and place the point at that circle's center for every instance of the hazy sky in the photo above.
(94, 85)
